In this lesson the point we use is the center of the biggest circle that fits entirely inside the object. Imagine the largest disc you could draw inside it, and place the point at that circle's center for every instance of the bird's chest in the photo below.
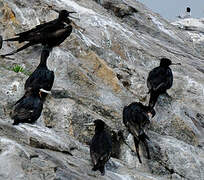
(43, 74)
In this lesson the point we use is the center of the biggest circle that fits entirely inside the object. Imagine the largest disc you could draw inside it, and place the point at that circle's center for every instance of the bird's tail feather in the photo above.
(18, 50)
(153, 99)
(12, 39)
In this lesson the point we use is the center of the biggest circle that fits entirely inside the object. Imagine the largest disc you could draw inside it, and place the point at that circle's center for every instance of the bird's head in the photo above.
(165, 62)
(99, 124)
(63, 14)
(188, 9)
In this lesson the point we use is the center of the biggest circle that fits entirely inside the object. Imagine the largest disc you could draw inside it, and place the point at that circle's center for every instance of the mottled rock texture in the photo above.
(97, 72)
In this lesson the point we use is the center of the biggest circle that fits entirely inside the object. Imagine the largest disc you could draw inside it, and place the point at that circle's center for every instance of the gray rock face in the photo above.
(97, 72)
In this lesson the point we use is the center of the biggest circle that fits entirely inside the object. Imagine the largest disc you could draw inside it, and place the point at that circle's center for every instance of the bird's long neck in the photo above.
(64, 19)
(98, 130)
(43, 58)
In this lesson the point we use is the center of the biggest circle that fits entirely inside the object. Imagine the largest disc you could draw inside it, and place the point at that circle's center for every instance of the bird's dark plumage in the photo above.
(135, 118)
(1, 41)
(28, 109)
(42, 76)
(49, 34)
(101, 147)
(159, 80)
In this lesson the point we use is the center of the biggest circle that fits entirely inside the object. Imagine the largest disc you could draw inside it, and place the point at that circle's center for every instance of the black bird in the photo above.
(135, 118)
(100, 147)
(159, 80)
(49, 34)
(28, 109)
(42, 76)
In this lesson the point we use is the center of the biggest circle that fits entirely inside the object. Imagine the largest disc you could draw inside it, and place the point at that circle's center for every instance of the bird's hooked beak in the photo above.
(74, 18)
(58, 11)
(72, 12)
(45, 91)
(175, 63)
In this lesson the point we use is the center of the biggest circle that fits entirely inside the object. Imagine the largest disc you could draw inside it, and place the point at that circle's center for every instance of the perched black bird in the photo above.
(100, 147)
(135, 118)
(48, 34)
(42, 76)
(28, 109)
(159, 80)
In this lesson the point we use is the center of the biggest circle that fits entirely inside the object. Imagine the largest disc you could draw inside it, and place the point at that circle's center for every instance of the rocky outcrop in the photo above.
(195, 28)
(97, 72)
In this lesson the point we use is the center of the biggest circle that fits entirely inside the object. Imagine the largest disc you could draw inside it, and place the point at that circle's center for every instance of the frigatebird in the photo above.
(42, 76)
(49, 34)
(135, 118)
(28, 108)
(100, 147)
(159, 80)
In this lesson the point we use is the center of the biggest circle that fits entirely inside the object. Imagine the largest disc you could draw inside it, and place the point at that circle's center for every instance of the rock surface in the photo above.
(97, 72)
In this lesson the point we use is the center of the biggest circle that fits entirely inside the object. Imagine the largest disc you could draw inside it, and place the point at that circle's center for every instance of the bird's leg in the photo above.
(102, 170)
(142, 137)
(18, 50)
(128, 146)
(136, 141)
(147, 148)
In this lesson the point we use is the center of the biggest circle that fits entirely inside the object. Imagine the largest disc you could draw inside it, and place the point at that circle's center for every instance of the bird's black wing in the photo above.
(23, 108)
(27, 109)
(21, 99)
(157, 78)
(100, 148)
(169, 78)
(45, 27)
(135, 117)
(43, 78)
(99, 159)
(30, 79)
